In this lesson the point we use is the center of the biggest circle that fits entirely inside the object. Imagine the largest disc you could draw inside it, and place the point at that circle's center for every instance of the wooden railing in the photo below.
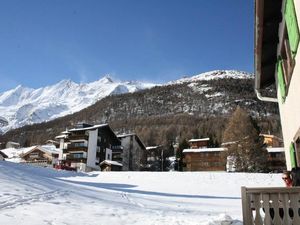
(271, 206)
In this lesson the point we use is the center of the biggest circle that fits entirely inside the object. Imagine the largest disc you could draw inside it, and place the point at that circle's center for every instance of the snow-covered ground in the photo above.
(37, 196)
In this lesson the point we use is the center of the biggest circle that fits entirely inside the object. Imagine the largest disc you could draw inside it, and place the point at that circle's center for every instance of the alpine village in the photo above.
(222, 120)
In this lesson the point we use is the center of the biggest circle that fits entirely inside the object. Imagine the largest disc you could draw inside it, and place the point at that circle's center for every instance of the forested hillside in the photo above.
(162, 114)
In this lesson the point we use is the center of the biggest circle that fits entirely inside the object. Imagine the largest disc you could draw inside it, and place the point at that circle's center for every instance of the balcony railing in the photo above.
(271, 206)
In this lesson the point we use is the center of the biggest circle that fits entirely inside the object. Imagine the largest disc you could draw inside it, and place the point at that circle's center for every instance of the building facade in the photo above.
(134, 152)
(86, 146)
(277, 61)
(205, 159)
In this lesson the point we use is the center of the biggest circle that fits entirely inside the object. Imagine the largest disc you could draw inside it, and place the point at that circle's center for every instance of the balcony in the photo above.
(268, 206)
(78, 137)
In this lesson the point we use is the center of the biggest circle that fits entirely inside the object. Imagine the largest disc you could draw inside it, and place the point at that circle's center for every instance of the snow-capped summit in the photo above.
(21, 106)
(214, 75)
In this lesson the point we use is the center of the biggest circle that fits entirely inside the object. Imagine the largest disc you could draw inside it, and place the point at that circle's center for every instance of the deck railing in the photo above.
(271, 206)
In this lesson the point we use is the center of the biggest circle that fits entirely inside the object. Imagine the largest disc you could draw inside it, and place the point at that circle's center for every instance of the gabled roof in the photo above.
(139, 141)
(48, 150)
(90, 128)
(110, 162)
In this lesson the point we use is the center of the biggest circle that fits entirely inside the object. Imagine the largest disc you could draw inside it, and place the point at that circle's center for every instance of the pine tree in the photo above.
(246, 146)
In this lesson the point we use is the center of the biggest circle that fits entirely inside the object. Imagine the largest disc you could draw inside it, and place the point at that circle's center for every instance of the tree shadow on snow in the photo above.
(127, 188)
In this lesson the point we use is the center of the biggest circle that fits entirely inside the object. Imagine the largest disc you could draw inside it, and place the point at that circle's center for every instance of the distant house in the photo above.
(198, 143)
(205, 159)
(108, 165)
(272, 140)
(52, 142)
(154, 158)
(134, 152)
(41, 156)
(276, 159)
(11, 144)
(86, 146)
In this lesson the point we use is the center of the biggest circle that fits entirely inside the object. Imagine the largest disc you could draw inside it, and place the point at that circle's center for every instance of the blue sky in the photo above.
(45, 41)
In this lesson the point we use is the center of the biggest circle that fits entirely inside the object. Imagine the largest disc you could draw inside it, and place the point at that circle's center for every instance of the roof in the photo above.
(61, 136)
(200, 139)
(153, 147)
(89, 128)
(16, 152)
(270, 136)
(44, 148)
(125, 135)
(110, 162)
(139, 141)
(267, 18)
(279, 149)
(197, 150)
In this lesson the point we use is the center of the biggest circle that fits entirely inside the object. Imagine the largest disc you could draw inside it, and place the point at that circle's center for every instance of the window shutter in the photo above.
(293, 155)
(281, 81)
(292, 26)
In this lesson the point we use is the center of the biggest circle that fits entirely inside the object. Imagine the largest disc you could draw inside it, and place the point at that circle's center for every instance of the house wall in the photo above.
(92, 149)
(132, 153)
(290, 109)
(205, 161)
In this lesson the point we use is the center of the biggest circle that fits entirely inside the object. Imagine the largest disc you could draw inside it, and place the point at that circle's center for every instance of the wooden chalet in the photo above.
(205, 159)
(40, 156)
(108, 165)
(277, 59)
(198, 143)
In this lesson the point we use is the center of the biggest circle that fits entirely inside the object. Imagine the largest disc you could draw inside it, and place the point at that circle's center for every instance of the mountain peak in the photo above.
(106, 79)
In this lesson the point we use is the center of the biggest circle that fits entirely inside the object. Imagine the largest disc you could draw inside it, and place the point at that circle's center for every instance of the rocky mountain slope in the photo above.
(198, 106)
(22, 106)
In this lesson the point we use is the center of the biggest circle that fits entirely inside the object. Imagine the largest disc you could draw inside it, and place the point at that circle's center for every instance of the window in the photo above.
(79, 144)
(77, 155)
(288, 50)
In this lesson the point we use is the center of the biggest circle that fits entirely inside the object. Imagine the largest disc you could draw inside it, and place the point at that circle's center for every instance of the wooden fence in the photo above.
(271, 206)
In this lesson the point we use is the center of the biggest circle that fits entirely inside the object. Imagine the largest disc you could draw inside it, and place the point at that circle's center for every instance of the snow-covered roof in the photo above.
(199, 139)
(110, 162)
(189, 150)
(152, 147)
(61, 136)
(277, 149)
(89, 128)
(125, 135)
(16, 152)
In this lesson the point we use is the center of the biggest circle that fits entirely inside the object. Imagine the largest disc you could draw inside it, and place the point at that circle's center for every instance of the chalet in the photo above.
(45, 156)
(198, 143)
(108, 165)
(134, 152)
(86, 146)
(272, 140)
(11, 144)
(277, 63)
(205, 159)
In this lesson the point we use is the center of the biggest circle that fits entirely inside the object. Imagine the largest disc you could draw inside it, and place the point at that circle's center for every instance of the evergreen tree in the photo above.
(246, 145)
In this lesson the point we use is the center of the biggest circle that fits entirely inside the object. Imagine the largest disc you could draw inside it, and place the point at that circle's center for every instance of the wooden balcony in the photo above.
(271, 206)
(78, 137)
(72, 148)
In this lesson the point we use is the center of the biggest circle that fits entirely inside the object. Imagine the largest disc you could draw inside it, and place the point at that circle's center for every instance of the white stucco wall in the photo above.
(290, 109)
(92, 149)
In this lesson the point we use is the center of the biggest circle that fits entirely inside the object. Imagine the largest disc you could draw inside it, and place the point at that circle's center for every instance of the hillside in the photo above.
(185, 109)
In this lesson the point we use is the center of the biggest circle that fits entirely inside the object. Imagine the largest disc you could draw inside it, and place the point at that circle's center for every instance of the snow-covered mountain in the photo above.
(21, 106)
(215, 75)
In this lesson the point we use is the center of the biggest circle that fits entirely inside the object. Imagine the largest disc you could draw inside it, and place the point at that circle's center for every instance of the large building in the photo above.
(277, 62)
(134, 152)
(86, 146)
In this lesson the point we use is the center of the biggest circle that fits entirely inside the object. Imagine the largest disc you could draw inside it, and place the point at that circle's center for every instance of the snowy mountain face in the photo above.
(22, 106)
(215, 75)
